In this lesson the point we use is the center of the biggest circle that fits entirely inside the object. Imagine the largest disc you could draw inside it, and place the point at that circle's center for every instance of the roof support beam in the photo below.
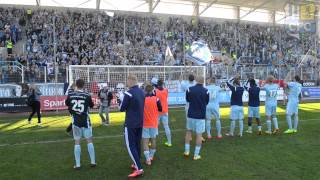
(254, 9)
(38, 2)
(155, 5)
(208, 6)
(98, 4)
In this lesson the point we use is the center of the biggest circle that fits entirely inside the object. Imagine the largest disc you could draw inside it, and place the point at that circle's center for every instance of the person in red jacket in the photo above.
(152, 106)
(162, 94)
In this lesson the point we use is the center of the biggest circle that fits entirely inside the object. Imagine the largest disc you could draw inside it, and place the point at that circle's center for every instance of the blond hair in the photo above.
(200, 80)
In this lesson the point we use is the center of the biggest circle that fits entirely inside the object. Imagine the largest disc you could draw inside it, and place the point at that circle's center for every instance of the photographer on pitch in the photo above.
(105, 97)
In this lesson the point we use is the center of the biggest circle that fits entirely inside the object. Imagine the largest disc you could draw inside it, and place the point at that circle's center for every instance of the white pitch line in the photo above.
(105, 137)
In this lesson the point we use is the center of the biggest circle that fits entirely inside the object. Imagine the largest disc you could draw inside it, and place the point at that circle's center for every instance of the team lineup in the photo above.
(147, 107)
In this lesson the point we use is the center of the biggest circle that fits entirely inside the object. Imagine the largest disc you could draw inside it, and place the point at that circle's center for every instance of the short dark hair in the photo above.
(297, 78)
(160, 83)
(80, 83)
(148, 88)
(252, 82)
(191, 77)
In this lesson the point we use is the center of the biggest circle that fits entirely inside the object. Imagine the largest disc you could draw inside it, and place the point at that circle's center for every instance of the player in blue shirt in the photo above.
(213, 108)
(254, 105)
(198, 98)
(236, 105)
(78, 103)
(293, 104)
(271, 104)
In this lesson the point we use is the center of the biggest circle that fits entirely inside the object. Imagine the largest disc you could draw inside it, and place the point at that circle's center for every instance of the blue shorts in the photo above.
(196, 125)
(149, 132)
(271, 110)
(164, 118)
(78, 132)
(236, 112)
(212, 110)
(292, 108)
(253, 112)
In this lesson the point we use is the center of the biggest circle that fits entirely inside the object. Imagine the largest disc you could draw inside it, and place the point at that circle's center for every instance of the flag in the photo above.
(199, 53)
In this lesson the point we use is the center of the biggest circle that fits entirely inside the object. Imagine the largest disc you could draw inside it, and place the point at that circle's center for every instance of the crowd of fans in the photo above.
(92, 37)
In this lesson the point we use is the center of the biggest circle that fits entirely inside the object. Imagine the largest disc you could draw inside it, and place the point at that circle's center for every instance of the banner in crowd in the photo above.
(310, 93)
(51, 89)
(14, 104)
(10, 90)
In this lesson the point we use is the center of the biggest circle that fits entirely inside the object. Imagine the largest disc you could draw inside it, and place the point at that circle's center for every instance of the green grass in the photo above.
(32, 152)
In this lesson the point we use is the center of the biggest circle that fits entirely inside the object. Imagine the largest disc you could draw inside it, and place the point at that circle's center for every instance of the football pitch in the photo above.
(46, 152)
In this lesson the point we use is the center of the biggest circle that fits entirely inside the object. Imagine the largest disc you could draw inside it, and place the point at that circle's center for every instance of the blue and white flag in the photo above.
(199, 53)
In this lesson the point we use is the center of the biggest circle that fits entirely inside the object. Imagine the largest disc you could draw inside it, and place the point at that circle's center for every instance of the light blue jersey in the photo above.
(271, 94)
(214, 94)
(271, 99)
(294, 91)
(293, 98)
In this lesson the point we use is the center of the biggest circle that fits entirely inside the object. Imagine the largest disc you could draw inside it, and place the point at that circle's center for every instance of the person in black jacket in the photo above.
(34, 101)
(198, 97)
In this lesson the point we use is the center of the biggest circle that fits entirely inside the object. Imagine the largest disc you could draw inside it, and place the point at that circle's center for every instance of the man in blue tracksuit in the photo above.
(133, 105)
(236, 105)
(198, 97)
(254, 104)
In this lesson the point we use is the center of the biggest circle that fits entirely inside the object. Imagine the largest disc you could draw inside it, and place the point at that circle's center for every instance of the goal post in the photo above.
(116, 76)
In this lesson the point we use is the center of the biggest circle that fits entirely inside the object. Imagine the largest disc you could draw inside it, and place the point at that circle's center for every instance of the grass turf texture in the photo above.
(32, 152)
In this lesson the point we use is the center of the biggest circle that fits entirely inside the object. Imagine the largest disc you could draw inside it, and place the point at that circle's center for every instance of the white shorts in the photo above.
(78, 132)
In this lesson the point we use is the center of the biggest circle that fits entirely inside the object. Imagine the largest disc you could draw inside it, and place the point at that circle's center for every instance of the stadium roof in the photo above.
(252, 10)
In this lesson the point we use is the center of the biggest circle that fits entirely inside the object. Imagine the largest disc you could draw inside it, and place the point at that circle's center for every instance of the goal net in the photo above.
(96, 76)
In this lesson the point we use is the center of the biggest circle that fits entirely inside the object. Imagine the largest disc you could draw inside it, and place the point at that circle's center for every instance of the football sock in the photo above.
(91, 153)
(218, 126)
(296, 119)
(187, 148)
(77, 153)
(241, 126)
(152, 152)
(208, 127)
(289, 122)
(269, 125)
(232, 126)
(275, 123)
(168, 133)
(197, 150)
(249, 121)
(146, 154)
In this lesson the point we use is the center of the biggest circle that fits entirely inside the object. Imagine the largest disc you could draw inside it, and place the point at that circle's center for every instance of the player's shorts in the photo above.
(149, 132)
(236, 112)
(292, 107)
(271, 110)
(253, 112)
(196, 125)
(164, 118)
(212, 111)
(78, 132)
